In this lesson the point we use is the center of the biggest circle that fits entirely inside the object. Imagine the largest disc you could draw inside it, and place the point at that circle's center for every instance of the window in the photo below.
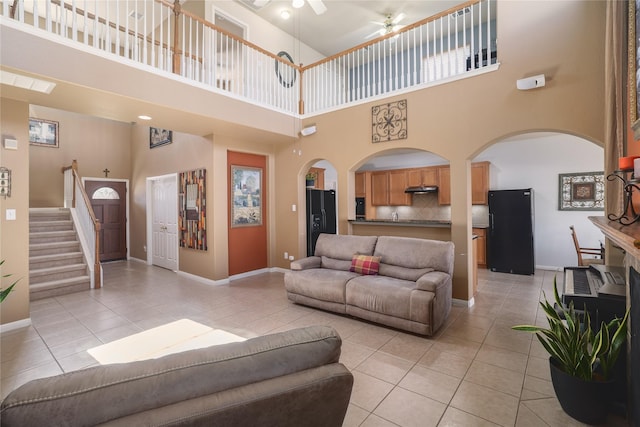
(105, 193)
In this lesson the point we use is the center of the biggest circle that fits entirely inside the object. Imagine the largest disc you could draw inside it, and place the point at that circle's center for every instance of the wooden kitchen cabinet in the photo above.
(397, 185)
(422, 176)
(387, 188)
(361, 189)
(444, 185)
(379, 188)
(480, 183)
(481, 248)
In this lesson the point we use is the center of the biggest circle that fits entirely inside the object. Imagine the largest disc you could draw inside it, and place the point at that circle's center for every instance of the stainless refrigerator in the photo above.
(321, 216)
(510, 237)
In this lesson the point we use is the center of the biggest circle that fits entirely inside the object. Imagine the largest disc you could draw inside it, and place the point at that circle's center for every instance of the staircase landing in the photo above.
(56, 263)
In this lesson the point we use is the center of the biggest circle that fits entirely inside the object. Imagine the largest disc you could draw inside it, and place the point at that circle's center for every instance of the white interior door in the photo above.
(164, 226)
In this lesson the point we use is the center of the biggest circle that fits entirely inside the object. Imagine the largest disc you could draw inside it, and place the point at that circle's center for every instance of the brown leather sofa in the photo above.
(291, 378)
(412, 289)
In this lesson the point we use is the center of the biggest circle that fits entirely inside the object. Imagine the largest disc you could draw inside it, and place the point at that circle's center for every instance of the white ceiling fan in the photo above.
(389, 25)
(317, 5)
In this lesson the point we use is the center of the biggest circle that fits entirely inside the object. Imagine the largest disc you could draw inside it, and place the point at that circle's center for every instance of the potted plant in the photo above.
(581, 360)
(310, 180)
(5, 292)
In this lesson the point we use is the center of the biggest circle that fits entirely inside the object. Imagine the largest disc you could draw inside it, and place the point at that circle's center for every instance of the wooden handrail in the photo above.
(96, 223)
(390, 35)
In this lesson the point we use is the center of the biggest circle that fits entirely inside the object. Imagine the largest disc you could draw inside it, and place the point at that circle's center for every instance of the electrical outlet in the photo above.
(291, 258)
(144, 248)
(286, 255)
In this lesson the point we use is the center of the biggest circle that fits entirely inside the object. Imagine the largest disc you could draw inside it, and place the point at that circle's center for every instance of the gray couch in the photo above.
(412, 290)
(287, 379)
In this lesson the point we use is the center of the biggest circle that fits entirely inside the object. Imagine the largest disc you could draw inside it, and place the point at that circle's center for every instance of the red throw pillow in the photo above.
(365, 264)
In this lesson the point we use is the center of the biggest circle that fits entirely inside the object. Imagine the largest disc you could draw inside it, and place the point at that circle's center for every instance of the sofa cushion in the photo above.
(365, 264)
(404, 273)
(381, 294)
(319, 283)
(335, 264)
(342, 246)
(415, 253)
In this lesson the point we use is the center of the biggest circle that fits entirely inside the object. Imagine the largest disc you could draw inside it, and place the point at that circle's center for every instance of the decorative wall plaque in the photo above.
(389, 121)
(581, 191)
(192, 212)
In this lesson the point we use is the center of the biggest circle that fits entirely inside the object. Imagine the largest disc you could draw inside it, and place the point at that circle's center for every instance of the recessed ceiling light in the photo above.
(135, 15)
(143, 117)
(297, 3)
(285, 14)
(26, 82)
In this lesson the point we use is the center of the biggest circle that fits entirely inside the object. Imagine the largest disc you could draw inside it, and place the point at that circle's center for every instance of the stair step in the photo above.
(41, 249)
(46, 226)
(44, 214)
(57, 273)
(55, 260)
(59, 287)
(52, 236)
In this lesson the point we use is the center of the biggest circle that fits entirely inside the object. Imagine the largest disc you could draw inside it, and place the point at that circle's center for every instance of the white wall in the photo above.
(535, 163)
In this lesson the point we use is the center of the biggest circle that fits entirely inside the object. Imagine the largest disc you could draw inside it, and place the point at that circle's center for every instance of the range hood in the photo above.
(422, 189)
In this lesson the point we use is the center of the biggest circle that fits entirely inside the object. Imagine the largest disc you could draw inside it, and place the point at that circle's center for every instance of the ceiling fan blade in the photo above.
(382, 24)
(318, 6)
(376, 33)
(398, 18)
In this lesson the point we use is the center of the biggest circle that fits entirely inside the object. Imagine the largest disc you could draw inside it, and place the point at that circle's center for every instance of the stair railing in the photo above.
(83, 215)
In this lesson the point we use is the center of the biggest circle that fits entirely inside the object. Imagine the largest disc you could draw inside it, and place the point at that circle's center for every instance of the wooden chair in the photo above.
(586, 251)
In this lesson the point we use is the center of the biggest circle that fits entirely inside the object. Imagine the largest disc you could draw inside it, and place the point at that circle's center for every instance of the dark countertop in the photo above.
(410, 223)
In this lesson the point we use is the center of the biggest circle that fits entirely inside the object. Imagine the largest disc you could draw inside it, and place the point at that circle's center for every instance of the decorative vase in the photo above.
(311, 183)
(585, 401)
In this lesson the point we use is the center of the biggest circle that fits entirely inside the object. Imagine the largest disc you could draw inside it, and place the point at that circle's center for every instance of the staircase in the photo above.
(56, 264)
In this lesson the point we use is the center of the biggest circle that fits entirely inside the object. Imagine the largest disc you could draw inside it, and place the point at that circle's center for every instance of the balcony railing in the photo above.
(162, 35)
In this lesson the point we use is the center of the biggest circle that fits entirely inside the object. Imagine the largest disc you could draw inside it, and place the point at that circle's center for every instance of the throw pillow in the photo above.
(365, 264)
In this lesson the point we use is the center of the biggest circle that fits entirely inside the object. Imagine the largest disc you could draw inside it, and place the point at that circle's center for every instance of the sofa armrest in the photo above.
(306, 263)
(432, 281)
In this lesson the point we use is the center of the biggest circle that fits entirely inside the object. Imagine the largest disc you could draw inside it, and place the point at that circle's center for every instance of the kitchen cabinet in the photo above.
(479, 184)
(481, 247)
(361, 189)
(444, 185)
(319, 181)
(379, 188)
(387, 188)
(422, 176)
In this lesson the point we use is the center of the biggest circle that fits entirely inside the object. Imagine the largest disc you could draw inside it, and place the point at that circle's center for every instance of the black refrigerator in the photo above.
(321, 216)
(510, 237)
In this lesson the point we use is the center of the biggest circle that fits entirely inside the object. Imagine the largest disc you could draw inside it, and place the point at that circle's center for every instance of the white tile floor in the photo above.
(476, 371)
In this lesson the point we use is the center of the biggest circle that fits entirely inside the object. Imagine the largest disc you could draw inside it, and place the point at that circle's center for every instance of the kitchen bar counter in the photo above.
(402, 223)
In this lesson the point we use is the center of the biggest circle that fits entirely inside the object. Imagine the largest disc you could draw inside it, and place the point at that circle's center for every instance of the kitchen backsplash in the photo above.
(426, 207)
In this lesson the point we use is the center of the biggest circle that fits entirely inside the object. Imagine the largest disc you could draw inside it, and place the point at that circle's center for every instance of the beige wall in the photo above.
(94, 142)
(457, 120)
(14, 235)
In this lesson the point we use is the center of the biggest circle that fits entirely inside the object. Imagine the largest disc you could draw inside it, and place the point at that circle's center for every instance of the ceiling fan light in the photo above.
(297, 3)
(285, 14)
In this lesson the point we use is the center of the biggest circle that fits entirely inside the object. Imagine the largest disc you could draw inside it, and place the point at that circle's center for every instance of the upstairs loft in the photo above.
(197, 77)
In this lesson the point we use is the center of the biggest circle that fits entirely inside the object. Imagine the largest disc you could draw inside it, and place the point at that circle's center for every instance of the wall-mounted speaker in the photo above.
(309, 130)
(531, 82)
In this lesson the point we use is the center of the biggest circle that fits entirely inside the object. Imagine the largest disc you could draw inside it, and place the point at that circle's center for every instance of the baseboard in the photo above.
(7, 327)
(549, 268)
(143, 261)
(463, 302)
(279, 270)
(203, 279)
(249, 274)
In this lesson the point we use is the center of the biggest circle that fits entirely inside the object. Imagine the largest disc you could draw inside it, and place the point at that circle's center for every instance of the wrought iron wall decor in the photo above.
(286, 76)
(629, 184)
(192, 224)
(389, 121)
(246, 195)
(582, 191)
(5, 182)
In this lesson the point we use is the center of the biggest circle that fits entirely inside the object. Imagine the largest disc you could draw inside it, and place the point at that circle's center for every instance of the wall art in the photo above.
(158, 137)
(246, 194)
(582, 191)
(192, 223)
(43, 132)
(389, 121)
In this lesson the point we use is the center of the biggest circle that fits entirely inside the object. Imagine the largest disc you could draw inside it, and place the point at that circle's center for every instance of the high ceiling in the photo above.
(346, 23)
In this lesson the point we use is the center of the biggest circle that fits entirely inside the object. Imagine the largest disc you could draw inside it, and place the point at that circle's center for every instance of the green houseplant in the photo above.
(5, 292)
(581, 360)
(310, 179)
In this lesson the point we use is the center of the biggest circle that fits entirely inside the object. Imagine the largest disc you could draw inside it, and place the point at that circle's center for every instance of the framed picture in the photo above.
(158, 137)
(43, 132)
(246, 193)
(581, 191)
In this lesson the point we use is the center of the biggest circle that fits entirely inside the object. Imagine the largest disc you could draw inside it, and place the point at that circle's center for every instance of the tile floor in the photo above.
(475, 372)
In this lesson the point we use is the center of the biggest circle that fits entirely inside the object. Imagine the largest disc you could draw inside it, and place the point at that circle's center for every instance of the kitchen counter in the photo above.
(403, 223)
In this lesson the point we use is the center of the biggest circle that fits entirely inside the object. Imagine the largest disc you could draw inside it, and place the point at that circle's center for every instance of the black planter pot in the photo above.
(585, 401)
